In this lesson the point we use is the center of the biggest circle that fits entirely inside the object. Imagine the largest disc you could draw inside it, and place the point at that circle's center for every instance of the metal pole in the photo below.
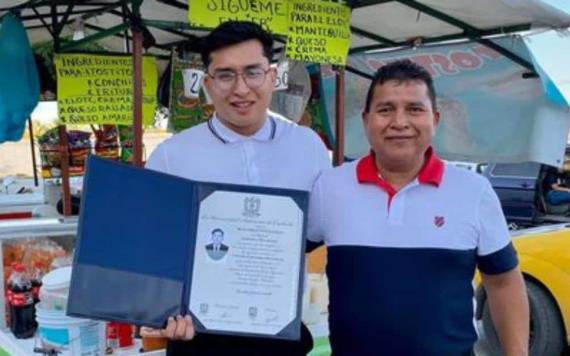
(34, 165)
(126, 19)
(338, 157)
(63, 146)
(137, 97)
(64, 154)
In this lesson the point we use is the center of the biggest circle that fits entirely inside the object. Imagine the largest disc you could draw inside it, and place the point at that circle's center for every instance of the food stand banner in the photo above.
(187, 107)
(491, 109)
(95, 89)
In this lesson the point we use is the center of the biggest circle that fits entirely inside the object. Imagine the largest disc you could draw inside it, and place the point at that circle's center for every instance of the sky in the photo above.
(552, 52)
(561, 4)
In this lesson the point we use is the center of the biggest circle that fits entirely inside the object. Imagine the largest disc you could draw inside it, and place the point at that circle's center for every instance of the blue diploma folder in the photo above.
(135, 245)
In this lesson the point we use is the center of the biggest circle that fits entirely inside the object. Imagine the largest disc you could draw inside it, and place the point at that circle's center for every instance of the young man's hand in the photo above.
(177, 328)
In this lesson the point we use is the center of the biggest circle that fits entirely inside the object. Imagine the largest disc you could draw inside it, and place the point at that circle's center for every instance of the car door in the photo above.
(516, 186)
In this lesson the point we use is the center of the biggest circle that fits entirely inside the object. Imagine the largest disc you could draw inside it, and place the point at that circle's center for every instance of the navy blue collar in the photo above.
(219, 136)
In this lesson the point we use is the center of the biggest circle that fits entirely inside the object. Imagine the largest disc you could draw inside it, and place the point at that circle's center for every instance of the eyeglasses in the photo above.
(253, 77)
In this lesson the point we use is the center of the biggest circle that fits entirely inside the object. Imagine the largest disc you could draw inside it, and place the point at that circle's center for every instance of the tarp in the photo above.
(394, 21)
(551, 55)
(19, 83)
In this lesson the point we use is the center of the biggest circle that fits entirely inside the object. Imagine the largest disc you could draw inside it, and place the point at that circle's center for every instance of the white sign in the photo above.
(282, 82)
(192, 82)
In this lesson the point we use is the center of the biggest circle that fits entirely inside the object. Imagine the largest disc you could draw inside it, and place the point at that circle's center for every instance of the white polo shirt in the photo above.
(401, 264)
(281, 154)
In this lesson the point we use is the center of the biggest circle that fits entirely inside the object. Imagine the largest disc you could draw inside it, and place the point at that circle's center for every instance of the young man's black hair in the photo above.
(235, 32)
(403, 70)
(218, 230)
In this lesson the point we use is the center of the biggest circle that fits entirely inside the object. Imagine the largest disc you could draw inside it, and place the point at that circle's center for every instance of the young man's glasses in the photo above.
(253, 77)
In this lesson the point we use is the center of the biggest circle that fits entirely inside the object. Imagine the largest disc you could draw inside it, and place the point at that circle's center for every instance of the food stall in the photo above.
(154, 27)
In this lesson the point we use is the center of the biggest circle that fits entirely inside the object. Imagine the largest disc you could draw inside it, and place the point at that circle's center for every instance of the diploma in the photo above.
(151, 246)
(246, 271)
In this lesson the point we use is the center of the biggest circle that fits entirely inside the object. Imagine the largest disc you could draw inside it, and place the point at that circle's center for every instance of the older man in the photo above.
(405, 233)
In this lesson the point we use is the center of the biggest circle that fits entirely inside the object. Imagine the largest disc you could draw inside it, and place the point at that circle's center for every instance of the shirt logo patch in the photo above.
(439, 221)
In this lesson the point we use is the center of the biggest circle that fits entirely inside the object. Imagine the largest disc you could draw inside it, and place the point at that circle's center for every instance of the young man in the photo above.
(217, 250)
(405, 233)
(243, 143)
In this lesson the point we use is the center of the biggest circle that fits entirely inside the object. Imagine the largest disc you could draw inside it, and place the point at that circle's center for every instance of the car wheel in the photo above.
(546, 328)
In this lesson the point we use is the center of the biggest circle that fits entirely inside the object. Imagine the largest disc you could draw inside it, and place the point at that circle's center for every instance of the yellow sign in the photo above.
(319, 32)
(99, 89)
(271, 14)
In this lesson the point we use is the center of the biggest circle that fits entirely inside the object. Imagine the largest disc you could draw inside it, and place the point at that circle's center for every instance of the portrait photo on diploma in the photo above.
(217, 250)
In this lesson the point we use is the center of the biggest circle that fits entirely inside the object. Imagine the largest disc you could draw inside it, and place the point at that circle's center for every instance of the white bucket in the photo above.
(55, 288)
(70, 336)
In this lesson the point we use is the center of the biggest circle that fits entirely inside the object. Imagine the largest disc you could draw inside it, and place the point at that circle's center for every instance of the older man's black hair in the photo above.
(402, 71)
(232, 33)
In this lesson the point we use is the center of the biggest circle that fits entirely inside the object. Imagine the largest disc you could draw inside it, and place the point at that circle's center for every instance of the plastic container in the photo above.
(55, 289)
(152, 339)
(68, 336)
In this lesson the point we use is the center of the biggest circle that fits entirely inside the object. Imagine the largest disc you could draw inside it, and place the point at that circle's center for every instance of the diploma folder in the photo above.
(135, 246)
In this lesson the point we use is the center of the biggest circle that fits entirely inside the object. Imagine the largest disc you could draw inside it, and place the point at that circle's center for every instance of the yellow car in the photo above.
(544, 256)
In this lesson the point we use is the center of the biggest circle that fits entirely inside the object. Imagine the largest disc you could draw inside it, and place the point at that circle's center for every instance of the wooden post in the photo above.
(338, 157)
(137, 98)
(64, 154)
(32, 147)
(63, 145)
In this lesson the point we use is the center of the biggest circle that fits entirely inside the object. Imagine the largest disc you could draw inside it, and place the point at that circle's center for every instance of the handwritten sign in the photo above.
(319, 32)
(282, 81)
(192, 82)
(99, 89)
(270, 14)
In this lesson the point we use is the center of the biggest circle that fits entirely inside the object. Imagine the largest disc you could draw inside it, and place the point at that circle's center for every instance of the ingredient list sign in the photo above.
(99, 89)
(319, 32)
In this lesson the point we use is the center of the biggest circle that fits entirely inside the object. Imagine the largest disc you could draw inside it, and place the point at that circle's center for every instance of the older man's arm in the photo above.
(508, 302)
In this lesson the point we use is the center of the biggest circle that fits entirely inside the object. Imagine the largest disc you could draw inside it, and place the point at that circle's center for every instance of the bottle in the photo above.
(36, 279)
(112, 336)
(22, 311)
(119, 335)
(126, 334)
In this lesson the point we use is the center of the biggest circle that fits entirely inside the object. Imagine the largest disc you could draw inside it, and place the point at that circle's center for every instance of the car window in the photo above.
(516, 170)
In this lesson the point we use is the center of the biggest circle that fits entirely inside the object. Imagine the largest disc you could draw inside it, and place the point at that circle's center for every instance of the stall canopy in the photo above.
(375, 23)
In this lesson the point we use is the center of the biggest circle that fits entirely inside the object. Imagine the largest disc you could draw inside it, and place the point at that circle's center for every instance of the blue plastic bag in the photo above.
(19, 81)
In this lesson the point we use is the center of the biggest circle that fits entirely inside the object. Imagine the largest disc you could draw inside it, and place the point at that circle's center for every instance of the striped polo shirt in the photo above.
(401, 263)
